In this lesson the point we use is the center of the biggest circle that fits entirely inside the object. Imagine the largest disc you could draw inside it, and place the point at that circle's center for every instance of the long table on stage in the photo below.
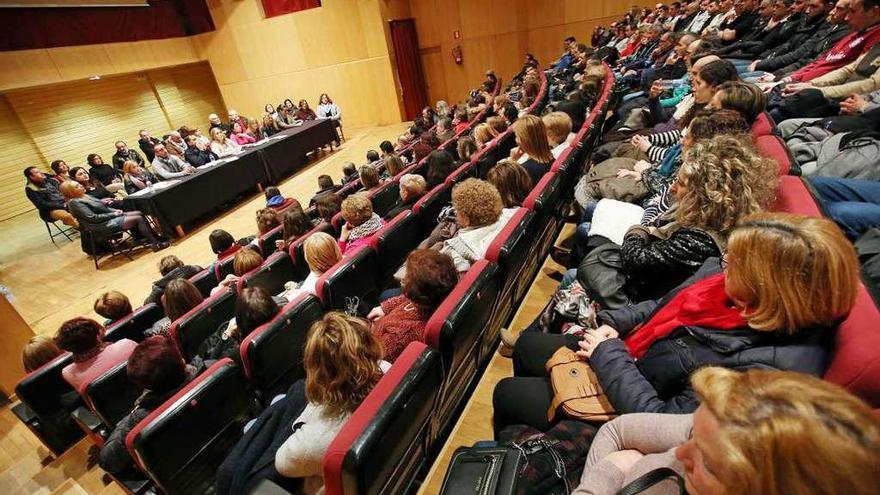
(180, 201)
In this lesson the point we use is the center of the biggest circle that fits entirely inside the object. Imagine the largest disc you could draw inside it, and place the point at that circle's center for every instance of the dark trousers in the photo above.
(853, 203)
(808, 103)
(525, 398)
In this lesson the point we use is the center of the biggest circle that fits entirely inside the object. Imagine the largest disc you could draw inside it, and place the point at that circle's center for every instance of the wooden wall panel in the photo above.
(188, 94)
(18, 152)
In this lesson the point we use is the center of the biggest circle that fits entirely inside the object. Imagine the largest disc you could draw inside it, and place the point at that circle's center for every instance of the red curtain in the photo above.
(30, 28)
(273, 8)
(409, 67)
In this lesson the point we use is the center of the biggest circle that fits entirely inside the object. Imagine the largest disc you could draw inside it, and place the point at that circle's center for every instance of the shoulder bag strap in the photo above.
(652, 478)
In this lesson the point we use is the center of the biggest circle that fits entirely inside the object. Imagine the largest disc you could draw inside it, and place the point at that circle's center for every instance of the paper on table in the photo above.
(156, 187)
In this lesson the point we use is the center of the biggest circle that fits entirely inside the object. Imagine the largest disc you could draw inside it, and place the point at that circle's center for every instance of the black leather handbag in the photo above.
(652, 478)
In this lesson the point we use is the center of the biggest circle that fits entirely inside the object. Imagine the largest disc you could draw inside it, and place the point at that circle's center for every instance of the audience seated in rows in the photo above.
(170, 268)
(253, 307)
(532, 149)
(360, 222)
(321, 252)
(112, 306)
(38, 351)
(325, 187)
(295, 223)
(92, 356)
(179, 297)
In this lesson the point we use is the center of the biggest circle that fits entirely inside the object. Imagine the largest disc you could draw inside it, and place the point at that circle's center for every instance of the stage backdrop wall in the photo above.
(70, 120)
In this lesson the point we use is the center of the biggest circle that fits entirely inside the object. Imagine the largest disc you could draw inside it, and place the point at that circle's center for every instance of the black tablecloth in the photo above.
(211, 186)
(283, 157)
(195, 195)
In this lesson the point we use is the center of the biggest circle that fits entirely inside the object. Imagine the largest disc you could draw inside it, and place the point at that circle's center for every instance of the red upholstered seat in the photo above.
(855, 364)
(792, 196)
(272, 354)
(428, 207)
(763, 125)
(180, 444)
(386, 440)
(774, 148)
(191, 329)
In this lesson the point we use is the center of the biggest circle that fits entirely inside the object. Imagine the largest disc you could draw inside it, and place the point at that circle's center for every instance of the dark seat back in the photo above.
(393, 243)
(456, 329)
(513, 249)
(191, 329)
(385, 197)
(180, 444)
(134, 325)
(205, 280)
(111, 396)
(545, 200)
(351, 284)
(266, 242)
(272, 354)
(386, 441)
(429, 206)
(223, 267)
(271, 275)
(297, 255)
(51, 399)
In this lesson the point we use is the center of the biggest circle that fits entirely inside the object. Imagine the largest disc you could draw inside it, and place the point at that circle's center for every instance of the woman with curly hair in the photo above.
(342, 362)
(360, 222)
(766, 303)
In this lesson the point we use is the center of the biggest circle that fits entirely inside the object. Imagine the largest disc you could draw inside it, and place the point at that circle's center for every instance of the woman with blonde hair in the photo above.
(360, 222)
(759, 431)
(321, 252)
(38, 351)
(342, 364)
(772, 302)
(221, 145)
(136, 177)
(393, 166)
(246, 259)
(512, 182)
(483, 133)
(533, 149)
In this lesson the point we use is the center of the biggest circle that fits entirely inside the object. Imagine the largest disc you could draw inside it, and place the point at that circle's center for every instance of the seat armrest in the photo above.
(88, 421)
(25, 414)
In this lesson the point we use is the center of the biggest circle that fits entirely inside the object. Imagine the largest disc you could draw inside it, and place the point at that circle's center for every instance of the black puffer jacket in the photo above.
(805, 30)
(653, 266)
(660, 381)
(185, 271)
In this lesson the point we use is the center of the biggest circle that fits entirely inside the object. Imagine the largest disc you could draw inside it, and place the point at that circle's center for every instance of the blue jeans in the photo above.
(741, 65)
(853, 203)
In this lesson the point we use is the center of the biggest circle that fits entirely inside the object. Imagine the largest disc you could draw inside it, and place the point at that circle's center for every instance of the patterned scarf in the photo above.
(366, 229)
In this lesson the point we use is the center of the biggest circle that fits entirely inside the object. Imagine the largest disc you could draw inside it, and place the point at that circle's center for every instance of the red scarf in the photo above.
(703, 304)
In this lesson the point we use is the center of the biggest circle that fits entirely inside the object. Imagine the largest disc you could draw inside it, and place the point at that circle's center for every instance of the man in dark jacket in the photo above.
(146, 143)
(123, 153)
(779, 29)
(326, 185)
(801, 31)
(43, 192)
(170, 267)
(197, 153)
(156, 366)
(827, 34)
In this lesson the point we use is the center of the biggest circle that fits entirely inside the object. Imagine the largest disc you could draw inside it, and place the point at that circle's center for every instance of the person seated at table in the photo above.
(253, 308)
(532, 149)
(328, 206)
(168, 166)
(179, 297)
(92, 356)
(369, 178)
(445, 130)
(400, 320)
(559, 133)
(109, 177)
(321, 252)
(277, 201)
(198, 152)
(758, 431)
(235, 118)
(360, 222)
(62, 171)
(97, 218)
(342, 361)
(170, 268)
(325, 187)
(239, 136)
(764, 304)
(440, 165)
(93, 188)
(146, 143)
(412, 188)
(284, 120)
(123, 153)
(329, 110)
(288, 104)
(349, 172)
(245, 260)
(38, 351)
(393, 165)
(136, 177)
(214, 122)
(175, 145)
(268, 126)
(222, 145)
(254, 129)
(304, 112)
(512, 182)
(294, 224)
(112, 306)
(44, 193)
(156, 366)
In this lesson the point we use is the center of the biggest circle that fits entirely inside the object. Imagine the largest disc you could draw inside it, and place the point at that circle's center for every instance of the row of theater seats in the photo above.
(271, 355)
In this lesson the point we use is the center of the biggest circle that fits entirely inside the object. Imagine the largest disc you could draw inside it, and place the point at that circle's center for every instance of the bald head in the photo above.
(704, 61)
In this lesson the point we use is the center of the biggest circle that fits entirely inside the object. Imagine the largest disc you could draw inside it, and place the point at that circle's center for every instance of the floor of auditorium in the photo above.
(52, 284)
